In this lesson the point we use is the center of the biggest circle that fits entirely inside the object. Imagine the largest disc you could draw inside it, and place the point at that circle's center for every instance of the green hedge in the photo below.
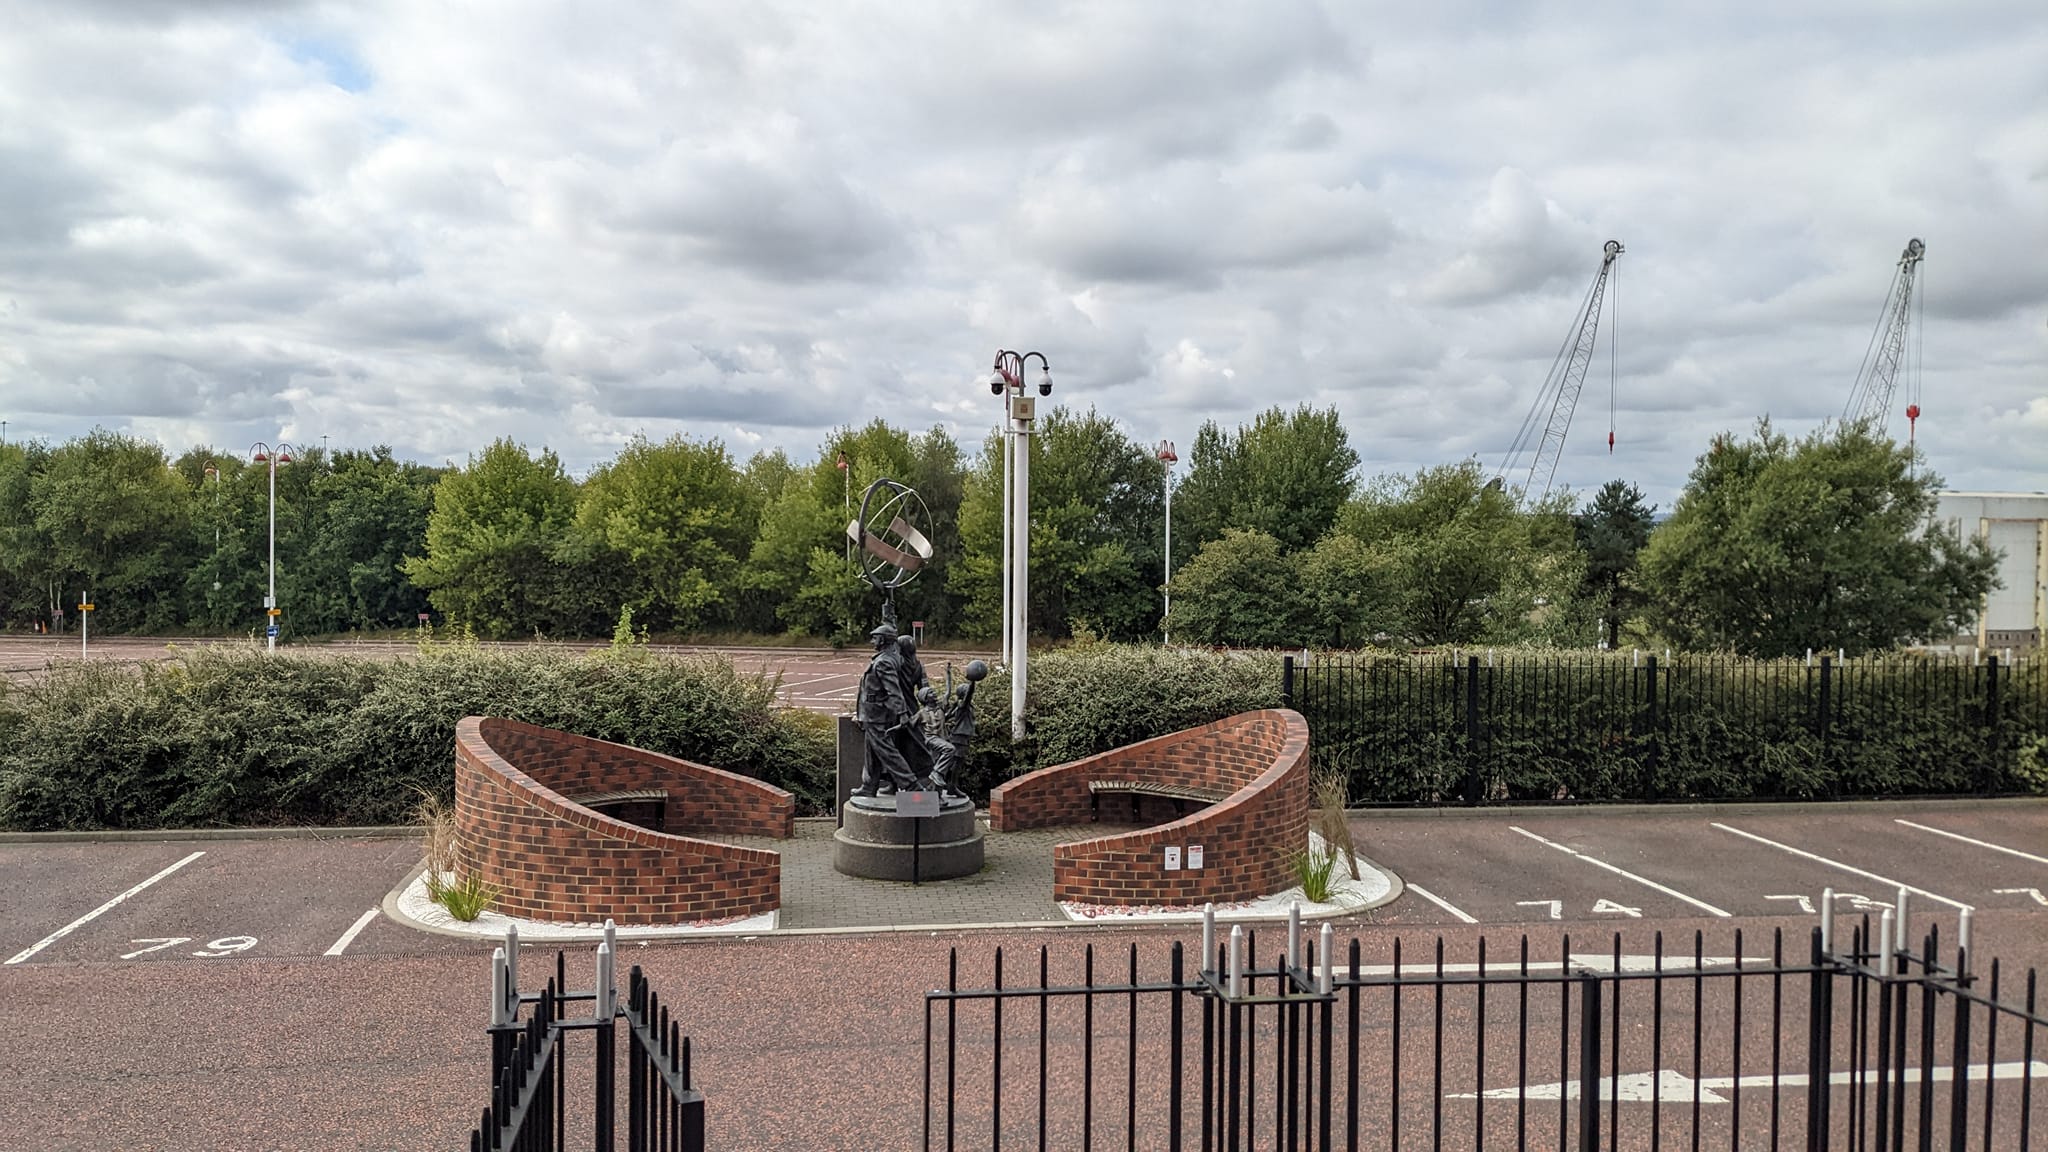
(1537, 725)
(1556, 725)
(225, 737)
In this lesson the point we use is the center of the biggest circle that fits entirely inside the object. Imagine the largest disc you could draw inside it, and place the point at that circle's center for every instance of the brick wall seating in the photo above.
(553, 859)
(1259, 758)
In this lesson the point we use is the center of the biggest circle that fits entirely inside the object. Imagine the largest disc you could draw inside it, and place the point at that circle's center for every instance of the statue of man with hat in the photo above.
(885, 711)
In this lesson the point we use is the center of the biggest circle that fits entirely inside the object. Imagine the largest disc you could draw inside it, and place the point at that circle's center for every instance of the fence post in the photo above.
(1287, 681)
(1826, 698)
(1820, 1036)
(1589, 1063)
(1173, 1110)
(1649, 737)
(1986, 779)
(1475, 789)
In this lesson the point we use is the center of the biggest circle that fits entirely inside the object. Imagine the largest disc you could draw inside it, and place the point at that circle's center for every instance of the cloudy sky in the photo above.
(433, 224)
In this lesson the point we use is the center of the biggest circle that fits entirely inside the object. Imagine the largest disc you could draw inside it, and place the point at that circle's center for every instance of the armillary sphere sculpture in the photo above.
(890, 539)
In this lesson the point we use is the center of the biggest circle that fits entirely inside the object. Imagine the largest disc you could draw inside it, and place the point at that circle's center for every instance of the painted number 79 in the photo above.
(225, 946)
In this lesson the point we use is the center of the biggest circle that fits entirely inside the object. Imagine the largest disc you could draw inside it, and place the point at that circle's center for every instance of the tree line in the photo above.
(1775, 545)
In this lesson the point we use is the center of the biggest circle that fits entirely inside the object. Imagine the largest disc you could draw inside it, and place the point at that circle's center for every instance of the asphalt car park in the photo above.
(140, 901)
(1594, 866)
(131, 901)
(275, 1012)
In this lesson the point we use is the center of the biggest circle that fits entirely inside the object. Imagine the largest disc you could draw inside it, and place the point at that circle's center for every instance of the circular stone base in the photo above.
(876, 844)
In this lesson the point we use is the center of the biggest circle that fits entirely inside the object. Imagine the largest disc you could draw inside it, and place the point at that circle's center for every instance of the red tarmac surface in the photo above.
(817, 1041)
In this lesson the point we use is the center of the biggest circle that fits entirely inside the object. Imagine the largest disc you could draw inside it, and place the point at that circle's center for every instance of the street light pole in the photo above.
(1008, 382)
(1167, 457)
(1003, 560)
(213, 470)
(262, 453)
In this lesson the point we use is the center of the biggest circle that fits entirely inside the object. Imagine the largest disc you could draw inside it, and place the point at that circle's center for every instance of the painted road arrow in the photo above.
(1642, 1087)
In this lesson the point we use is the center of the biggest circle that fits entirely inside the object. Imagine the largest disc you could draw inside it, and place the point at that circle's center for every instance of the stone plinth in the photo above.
(874, 842)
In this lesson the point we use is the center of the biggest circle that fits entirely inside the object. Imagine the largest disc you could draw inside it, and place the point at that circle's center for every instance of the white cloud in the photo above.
(400, 223)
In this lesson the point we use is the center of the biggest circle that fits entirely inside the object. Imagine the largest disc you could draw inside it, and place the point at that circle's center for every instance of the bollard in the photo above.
(1884, 943)
(1208, 935)
(603, 1003)
(1294, 935)
(1963, 942)
(1236, 961)
(1827, 921)
(1899, 924)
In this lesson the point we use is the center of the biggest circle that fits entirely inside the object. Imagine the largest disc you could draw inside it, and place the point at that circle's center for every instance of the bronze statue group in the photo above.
(916, 740)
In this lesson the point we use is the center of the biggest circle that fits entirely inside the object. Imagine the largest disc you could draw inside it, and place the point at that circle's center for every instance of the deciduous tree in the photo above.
(492, 540)
(1776, 546)
(1287, 474)
(1460, 559)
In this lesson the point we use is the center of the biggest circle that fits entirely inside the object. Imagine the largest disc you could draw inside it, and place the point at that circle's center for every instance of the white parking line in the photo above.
(95, 914)
(1978, 843)
(349, 937)
(812, 679)
(1854, 871)
(1643, 880)
(1440, 902)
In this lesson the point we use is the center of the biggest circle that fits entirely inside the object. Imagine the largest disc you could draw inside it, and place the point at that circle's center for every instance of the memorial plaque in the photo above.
(917, 803)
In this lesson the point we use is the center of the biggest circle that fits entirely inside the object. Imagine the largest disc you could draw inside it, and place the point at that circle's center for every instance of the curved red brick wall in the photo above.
(1259, 758)
(553, 859)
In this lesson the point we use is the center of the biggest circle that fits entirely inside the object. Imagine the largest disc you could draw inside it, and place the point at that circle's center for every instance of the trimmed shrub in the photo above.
(1094, 697)
(222, 736)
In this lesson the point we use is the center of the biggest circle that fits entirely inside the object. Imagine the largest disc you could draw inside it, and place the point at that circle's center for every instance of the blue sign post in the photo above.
(272, 631)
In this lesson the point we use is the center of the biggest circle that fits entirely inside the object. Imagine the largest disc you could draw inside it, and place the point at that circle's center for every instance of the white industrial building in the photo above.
(2014, 524)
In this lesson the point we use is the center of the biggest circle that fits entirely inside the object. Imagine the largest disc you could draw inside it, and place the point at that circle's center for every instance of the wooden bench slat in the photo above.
(627, 797)
(1145, 788)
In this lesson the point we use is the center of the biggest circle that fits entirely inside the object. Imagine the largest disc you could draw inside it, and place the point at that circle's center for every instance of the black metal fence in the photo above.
(531, 1104)
(1869, 1045)
(1527, 727)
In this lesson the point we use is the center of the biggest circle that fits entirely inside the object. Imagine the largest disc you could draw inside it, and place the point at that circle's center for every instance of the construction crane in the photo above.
(1560, 394)
(1871, 399)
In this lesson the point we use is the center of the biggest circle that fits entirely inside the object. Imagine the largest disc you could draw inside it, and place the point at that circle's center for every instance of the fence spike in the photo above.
(1327, 953)
(1236, 960)
(499, 985)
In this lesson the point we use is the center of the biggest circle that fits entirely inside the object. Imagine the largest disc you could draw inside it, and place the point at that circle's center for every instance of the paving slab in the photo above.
(1014, 885)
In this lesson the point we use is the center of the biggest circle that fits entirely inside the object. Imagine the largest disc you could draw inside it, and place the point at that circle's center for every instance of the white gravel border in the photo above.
(413, 904)
(1370, 890)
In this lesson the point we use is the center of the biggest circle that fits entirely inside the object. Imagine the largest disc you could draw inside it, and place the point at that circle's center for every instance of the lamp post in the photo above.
(1007, 381)
(213, 470)
(262, 453)
(1167, 457)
